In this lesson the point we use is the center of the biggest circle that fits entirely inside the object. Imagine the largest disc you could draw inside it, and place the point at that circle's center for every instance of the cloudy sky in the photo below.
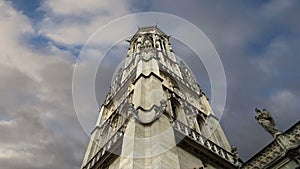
(257, 41)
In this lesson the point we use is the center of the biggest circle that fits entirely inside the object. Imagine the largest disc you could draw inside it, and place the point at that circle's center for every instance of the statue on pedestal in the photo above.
(265, 119)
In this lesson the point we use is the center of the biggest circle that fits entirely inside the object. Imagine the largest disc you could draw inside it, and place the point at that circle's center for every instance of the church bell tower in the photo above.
(156, 116)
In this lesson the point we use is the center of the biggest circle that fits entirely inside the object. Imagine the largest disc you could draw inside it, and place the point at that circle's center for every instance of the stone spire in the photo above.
(155, 114)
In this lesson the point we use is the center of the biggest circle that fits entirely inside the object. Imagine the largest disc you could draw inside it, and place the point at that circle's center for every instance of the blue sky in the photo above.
(257, 41)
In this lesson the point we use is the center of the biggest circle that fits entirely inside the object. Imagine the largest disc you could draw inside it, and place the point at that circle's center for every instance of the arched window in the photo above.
(175, 108)
(201, 122)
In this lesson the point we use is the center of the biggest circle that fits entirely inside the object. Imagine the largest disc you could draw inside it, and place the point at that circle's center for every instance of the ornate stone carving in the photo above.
(150, 115)
(127, 109)
(187, 75)
(265, 119)
(146, 42)
(117, 80)
(191, 116)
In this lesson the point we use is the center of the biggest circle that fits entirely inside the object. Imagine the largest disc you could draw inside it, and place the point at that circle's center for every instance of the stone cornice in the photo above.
(148, 29)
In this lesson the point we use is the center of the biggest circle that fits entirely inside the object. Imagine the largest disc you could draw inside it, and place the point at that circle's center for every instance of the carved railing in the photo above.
(208, 144)
(106, 148)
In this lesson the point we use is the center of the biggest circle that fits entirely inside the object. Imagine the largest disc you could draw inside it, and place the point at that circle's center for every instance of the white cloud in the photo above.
(15, 27)
(73, 22)
(38, 125)
(92, 7)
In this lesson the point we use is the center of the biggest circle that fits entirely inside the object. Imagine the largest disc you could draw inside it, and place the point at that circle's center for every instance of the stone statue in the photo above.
(147, 41)
(265, 119)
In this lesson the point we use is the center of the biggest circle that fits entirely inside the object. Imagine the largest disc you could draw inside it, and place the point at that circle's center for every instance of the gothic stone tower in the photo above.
(156, 116)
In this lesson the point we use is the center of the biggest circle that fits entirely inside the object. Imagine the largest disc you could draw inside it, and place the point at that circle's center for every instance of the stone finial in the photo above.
(265, 119)
(235, 154)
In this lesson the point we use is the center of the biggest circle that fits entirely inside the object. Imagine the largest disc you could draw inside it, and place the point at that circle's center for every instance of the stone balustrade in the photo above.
(197, 137)
(106, 148)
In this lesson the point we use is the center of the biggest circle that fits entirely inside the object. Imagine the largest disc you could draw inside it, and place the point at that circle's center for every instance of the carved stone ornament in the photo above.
(147, 42)
(127, 109)
(265, 119)
(150, 115)
(187, 75)
(117, 80)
